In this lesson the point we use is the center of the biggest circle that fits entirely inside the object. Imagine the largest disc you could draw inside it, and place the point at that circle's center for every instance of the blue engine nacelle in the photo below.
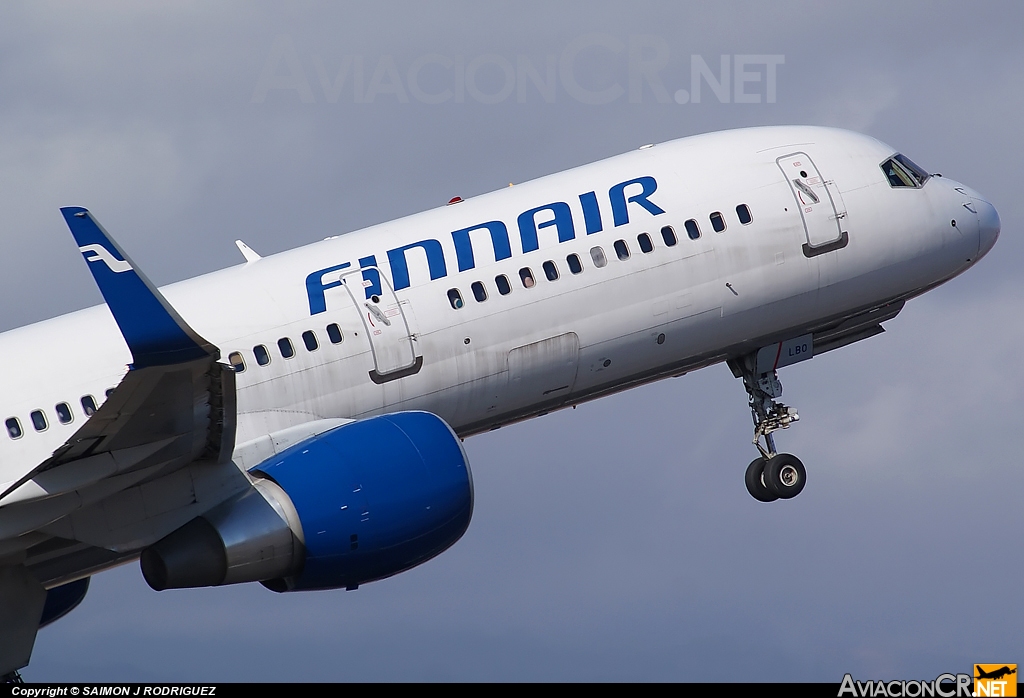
(360, 502)
(62, 600)
(375, 498)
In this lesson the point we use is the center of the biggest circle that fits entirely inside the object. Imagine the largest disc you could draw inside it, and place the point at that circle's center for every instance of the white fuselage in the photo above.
(557, 342)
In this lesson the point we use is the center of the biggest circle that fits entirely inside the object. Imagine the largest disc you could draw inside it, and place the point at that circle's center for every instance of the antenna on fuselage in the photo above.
(246, 251)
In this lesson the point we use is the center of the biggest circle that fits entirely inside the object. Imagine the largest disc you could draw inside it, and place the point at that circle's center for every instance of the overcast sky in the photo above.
(611, 542)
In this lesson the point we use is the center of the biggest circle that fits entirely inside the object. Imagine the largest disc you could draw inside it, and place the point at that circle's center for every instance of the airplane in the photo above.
(995, 673)
(297, 420)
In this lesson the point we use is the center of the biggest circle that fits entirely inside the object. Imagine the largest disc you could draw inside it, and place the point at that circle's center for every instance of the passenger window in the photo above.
(668, 235)
(38, 420)
(309, 339)
(575, 265)
(110, 391)
(14, 428)
(334, 333)
(285, 346)
(63, 411)
(717, 222)
(504, 287)
(526, 275)
(743, 213)
(88, 405)
(646, 244)
(692, 229)
(236, 361)
(262, 355)
(455, 298)
(597, 254)
(479, 292)
(621, 250)
(550, 271)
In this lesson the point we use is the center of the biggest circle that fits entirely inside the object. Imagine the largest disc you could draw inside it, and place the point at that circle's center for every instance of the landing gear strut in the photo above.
(773, 475)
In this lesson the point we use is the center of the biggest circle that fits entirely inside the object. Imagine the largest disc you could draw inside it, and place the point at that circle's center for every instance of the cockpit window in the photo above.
(901, 171)
(918, 171)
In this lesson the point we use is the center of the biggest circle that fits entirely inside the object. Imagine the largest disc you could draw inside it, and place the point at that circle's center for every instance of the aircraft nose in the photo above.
(988, 226)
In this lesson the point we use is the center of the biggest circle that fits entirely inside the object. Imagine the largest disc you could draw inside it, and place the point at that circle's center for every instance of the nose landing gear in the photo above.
(773, 475)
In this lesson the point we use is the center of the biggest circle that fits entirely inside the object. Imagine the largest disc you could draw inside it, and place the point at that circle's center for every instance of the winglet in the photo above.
(155, 333)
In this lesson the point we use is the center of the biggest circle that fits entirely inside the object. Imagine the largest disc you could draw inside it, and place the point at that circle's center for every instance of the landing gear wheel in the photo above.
(755, 482)
(784, 476)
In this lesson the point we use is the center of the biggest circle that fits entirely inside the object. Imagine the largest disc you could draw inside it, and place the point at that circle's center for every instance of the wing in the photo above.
(175, 405)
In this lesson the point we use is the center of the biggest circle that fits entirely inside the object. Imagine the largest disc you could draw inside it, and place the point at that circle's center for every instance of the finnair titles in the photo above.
(561, 219)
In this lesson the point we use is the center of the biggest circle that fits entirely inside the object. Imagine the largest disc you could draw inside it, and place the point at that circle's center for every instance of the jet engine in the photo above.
(358, 503)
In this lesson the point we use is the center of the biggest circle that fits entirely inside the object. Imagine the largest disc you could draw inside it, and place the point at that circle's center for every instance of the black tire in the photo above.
(754, 479)
(785, 476)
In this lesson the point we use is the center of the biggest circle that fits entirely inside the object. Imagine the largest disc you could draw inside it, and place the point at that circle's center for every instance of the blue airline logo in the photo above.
(556, 215)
